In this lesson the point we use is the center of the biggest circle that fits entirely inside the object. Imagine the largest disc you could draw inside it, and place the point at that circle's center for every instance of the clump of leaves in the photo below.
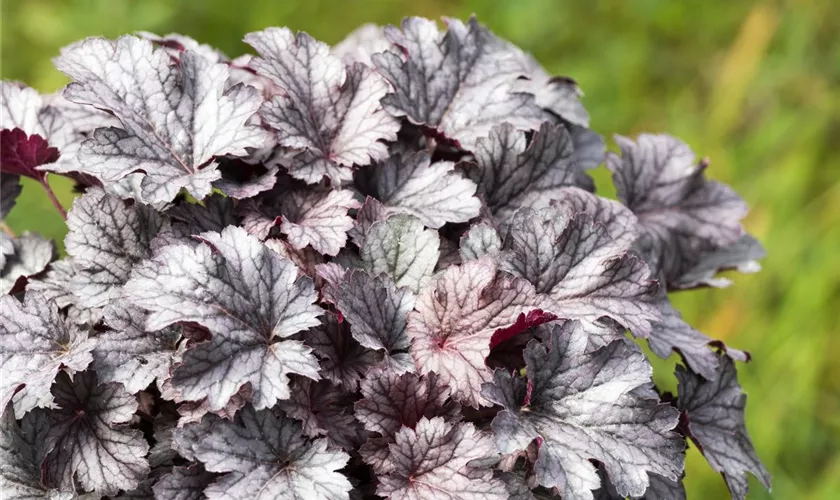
(372, 270)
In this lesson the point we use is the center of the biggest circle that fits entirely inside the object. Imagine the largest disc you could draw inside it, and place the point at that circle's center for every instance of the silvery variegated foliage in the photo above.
(373, 270)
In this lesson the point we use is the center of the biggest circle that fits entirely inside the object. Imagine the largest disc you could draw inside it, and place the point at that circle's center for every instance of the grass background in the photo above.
(755, 85)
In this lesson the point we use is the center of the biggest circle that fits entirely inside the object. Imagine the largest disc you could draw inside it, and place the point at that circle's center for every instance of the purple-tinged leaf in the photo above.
(512, 172)
(391, 401)
(376, 311)
(455, 318)
(559, 95)
(130, 355)
(242, 180)
(372, 210)
(330, 114)
(173, 125)
(437, 459)
(22, 154)
(324, 410)
(459, 83)
(265, 457)
(37, 343)
(343, 360)
(91, 445)
(574, 258)
(673, 334)
(582, 406)
(248, 297)
(308, 217)
(29, 254)
(660, 488)
(403, 249)
(23, 446)
(107, 237)
(183, 483)
(715, 410)
(318, 220)
(189, 220)
(433, 192)
(590, 150)
(682, 214)
(9, 190)
(743, 256)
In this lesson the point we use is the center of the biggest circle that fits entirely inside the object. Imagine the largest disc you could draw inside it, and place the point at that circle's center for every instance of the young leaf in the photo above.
(437, 459)
(582, 406)
(265, 457)
(459, 83)
(715, 410)
(433, 192)
(455, 318)
(22, 154)
(90, 444)
(248, 297)
(400, 247)
(175, 119)
(63, 124)
(327, 113)
(37, 343)
(512, 173)
(681, 213)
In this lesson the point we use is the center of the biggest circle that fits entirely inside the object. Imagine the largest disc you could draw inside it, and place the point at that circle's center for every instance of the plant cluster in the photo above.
(377, 269)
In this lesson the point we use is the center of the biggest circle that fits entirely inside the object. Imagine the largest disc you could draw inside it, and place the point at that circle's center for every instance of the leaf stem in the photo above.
(6, 229)
(53, 198)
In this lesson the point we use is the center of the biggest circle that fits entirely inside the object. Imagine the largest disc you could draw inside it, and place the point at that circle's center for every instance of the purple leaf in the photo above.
(343, 360)
(715, 410)
(22, 154)
(325, 410)
(682, 214)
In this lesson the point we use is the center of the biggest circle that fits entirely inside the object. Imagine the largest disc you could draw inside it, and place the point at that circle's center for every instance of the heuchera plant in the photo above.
(371, 270)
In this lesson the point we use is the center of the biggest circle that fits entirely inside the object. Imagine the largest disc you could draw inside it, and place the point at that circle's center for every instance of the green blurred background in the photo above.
(753, 85)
